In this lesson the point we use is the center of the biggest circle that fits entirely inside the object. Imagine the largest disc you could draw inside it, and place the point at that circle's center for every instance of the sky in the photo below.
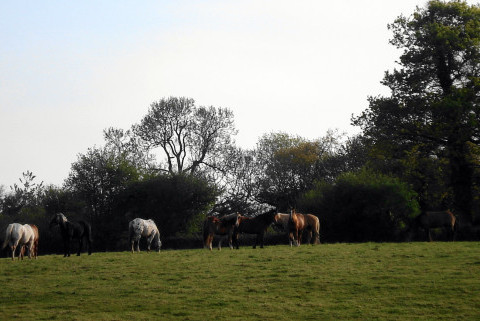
(70, 69)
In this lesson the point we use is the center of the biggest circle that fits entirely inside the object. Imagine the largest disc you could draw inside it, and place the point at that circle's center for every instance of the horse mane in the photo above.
(267, 216)
(230, 217)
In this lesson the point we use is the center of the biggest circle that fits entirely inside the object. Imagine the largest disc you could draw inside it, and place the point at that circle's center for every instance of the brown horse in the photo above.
(296, 225)
(312, 227)
(442, 219)
(254, 225)
(221, 226)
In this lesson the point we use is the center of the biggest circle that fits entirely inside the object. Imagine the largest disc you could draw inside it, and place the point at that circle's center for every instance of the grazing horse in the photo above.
(34, 249)
(256, 225)
(442, 219)
(73, 230)
(146, 228)
(221, 226)
(18, 235)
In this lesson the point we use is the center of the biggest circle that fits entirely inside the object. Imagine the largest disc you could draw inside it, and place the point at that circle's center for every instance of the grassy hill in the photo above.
(383, 281)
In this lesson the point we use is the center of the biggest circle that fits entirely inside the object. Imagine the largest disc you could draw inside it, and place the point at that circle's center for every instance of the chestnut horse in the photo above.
(443, 219)
(296, 225)
(254, 225)
(312, 227)
(18, 235)
(221, 226)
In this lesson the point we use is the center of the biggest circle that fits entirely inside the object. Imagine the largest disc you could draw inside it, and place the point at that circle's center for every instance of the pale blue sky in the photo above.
(69, 69)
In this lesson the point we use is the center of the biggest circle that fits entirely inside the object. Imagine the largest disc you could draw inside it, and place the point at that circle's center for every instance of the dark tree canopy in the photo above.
(434, 103)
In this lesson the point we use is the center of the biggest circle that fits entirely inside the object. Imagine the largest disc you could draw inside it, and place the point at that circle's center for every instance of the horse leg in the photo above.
(309, 236)
(230, 241)
(80, 245)
(210, 241)
(261, 238)
(290, 238)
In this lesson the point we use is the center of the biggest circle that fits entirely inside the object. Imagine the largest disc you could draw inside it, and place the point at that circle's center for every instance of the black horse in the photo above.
(443, 219)
(254, 225)
(73, 230)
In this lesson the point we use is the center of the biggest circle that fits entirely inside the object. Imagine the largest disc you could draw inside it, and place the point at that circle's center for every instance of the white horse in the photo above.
(146, 228)
(18, 235)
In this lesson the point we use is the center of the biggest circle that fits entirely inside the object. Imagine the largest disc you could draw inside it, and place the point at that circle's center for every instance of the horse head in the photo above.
(57, 219)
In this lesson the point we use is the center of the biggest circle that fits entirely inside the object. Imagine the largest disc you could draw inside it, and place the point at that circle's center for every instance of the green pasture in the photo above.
(369, 281)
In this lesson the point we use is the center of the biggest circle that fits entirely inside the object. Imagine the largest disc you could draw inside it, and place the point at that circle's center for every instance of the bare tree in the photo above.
(189, 137)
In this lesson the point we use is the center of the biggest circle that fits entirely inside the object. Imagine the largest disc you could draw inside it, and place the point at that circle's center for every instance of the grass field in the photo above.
(370, 281)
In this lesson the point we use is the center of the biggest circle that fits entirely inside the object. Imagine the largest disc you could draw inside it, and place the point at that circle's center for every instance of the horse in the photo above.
(296, 225)
(312, 226)
(34, 249)
(221, 226)
(146, 228)
(282, 220)
(18, 235)
(443, 219)
(256, 225)
(73, 230)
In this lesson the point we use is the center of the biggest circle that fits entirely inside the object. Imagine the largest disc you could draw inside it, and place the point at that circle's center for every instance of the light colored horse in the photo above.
(221, 226)
(34, 250)
(146, 228)
(18, 235)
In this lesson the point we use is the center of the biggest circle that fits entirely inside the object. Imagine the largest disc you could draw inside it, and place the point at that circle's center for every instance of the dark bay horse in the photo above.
(73, 230)
(221, 226)
(443, 219)
(254, 225)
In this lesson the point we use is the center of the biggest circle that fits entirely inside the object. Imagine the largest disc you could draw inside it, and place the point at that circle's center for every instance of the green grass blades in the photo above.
(369, 281)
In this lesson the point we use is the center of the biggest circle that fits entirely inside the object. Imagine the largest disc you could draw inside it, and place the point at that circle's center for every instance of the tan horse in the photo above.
(18, 235)
(312, 227)
(442, 219)
(296, 225)
(221, 226)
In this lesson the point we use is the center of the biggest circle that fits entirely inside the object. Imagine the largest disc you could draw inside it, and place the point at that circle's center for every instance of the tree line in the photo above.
(418, 150)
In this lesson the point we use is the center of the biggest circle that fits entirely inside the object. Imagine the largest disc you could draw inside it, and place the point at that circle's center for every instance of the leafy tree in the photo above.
(362, 206)
(26, 194)
(288, 166)
(97, 177)
(177, 203)
(433, 111)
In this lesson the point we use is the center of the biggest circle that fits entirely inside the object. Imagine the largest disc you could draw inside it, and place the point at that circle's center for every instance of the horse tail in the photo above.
(8, 235)
(88, 234)
(317, 229)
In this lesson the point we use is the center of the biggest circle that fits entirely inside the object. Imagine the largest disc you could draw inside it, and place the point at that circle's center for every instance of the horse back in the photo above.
(437, 219)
